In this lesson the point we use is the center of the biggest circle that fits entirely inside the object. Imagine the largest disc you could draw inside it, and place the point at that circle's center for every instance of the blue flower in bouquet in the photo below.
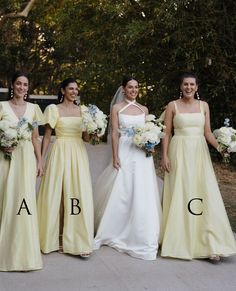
(150, 146)
(226, 122)
(21, 122)
(93, 109)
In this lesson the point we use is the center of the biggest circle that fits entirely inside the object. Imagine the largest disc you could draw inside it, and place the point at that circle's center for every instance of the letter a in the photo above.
(75, 205)
(23, 207)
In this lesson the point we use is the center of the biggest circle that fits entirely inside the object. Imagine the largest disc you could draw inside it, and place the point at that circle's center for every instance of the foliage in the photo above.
(99, 41)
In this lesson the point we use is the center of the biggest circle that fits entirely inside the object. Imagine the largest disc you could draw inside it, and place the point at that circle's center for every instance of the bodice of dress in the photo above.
(127, 122)
(32, 113)
(68, 127)
(189, 124)
(65, 127)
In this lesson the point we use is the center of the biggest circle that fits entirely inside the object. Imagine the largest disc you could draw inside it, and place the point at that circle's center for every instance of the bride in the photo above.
(126, 198)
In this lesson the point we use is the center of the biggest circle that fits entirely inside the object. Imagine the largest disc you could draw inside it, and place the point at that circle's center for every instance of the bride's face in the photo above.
(131, 90)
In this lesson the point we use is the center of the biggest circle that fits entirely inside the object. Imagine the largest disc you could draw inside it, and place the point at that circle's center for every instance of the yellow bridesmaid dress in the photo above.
(195, 223)
(19, 236)
(67, 173)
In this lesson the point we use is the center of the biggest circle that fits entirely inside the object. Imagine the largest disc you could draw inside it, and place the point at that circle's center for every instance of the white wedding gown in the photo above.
(127, 201)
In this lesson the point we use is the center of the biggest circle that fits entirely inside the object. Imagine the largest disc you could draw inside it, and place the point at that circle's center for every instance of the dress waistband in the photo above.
(190, 131)
(69, 137)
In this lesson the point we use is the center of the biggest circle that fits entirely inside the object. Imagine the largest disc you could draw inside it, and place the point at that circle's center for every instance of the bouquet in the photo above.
(226, 138)
(12, 134)
(94, 121)
(148, 136)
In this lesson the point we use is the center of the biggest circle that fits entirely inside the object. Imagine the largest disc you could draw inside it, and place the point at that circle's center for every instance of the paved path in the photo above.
(109, 270)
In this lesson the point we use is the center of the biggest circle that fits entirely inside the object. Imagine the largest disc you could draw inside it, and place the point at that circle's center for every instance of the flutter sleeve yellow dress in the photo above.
(19, 237)
(66, 177)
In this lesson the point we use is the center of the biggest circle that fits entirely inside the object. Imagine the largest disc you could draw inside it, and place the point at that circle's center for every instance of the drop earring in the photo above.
(25, 96)
(77, 100)
(62, 98)
(11, 93)
(180, 94)
(197, 94)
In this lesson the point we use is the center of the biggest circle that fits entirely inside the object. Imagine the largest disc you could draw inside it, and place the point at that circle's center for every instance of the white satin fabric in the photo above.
(127, 202)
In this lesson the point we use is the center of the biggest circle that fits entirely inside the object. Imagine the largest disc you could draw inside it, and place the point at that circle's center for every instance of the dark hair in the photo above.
(126, 79)
(14, 78)
(190, 75)
(63, 85)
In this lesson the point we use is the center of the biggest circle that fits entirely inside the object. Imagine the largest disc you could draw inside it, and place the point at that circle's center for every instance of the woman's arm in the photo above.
(115, 137)
(207, 128)
(85, 136)
(46, 139)
(169, 114)
(37, 150)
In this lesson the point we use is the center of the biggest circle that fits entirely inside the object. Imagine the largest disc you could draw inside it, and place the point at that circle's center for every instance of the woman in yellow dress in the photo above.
(65, 205)
(195, 223)
(19, 237)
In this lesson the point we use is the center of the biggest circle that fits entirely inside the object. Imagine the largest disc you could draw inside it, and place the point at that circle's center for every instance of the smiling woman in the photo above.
(195, 223)
(19, 240)
(65, 204)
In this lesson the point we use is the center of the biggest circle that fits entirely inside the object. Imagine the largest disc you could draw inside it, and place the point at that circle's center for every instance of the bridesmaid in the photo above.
(65, 204)
(19, 238)
(195, 223)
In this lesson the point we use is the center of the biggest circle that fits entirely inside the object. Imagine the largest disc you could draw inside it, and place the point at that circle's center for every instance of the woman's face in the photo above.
(71, 92)
(131, 90)
(189, 87)
(20, 87)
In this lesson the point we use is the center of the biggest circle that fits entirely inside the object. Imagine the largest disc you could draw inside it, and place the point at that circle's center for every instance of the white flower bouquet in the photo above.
(12, 134)
(148, 136)
(226, 138)
(94, 122)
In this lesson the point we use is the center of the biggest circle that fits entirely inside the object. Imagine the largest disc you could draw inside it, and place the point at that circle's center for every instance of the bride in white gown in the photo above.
(127, 198)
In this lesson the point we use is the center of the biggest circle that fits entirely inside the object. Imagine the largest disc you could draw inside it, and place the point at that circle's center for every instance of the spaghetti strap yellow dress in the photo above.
(67, 173)
(195, 223)
(19, 236)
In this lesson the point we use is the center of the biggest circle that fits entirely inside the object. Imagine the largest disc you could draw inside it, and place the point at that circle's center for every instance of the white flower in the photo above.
(4, 125)
(232, 147)
(150, 117)
(138, 140)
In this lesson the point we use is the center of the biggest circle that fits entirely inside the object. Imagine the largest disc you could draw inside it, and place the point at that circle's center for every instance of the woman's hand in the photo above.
(116, 163)
(39, 169)
(165, 164)
(8, 150)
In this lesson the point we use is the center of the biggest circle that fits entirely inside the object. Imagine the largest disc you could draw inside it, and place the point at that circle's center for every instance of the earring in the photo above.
(198, 97)
(11, 93)
(77, 101)
(180, 94)
(62, 98)
(26, 95)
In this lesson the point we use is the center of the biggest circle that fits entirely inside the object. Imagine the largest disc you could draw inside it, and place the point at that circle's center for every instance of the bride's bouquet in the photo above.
(94, 122)
(12, 134)
(226, 138)
(149, 135)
